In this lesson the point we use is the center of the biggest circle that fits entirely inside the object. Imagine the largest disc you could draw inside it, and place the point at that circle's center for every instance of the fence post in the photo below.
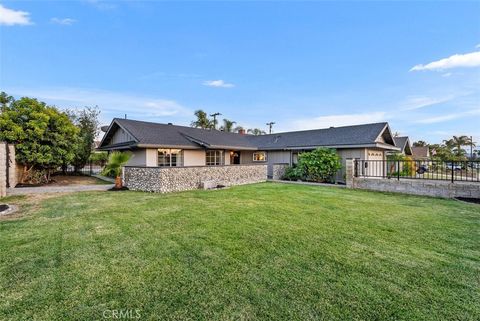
(453, 166)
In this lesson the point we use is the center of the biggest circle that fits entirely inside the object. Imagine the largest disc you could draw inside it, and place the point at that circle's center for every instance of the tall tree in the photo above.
(87, 122)
(456, 144)
(44, 137)
(420, 143)
(228, 126)
(256, 131)
(5, 99)
(202, 120)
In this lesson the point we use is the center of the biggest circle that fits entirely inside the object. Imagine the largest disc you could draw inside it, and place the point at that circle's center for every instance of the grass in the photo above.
(259, 252)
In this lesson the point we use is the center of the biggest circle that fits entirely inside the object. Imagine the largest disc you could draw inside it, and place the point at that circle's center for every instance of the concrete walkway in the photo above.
(57, 189)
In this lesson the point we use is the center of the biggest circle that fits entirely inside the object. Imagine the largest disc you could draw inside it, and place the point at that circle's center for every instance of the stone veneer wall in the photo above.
(174, 179)
(3, 169)
(436, 188)
(279, 170)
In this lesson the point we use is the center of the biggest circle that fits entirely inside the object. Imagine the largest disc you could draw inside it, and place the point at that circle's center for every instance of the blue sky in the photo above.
(301, 64)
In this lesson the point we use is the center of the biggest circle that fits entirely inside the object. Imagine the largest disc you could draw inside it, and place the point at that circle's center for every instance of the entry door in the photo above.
(235, 158)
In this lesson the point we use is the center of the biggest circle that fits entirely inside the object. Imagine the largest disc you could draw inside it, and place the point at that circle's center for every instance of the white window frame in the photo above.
(218, 157)
(258, 160)
(178, 157)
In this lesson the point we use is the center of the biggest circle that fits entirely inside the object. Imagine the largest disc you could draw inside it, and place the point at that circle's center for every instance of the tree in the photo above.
(116, 161)
(238, 129)
(456, 144)
(87, 122)
(44, 137)
(319, 165)
(5, 99)
(420, 143)
(202, 120)
(256, 131)
(228, 126)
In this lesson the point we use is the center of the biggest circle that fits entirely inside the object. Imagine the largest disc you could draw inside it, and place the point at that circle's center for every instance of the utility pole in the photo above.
(270, 124)
(215, 119)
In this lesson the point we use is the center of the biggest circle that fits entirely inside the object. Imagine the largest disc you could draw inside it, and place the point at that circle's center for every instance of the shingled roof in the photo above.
(357, 135)
(148, 134)
(404, 144)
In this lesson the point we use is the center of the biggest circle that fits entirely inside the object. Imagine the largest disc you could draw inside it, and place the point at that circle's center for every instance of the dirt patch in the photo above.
(68, 180)
(27, 205)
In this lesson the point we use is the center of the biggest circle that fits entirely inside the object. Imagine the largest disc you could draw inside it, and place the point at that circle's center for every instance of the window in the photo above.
(260, 157)
(170, 157)
(214, 157)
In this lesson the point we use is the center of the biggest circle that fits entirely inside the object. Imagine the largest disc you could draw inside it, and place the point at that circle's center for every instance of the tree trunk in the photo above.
(118, 182)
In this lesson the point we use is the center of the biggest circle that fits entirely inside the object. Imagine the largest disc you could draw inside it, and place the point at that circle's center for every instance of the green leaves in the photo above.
(116, 161)
(319, 165)
(44, 136)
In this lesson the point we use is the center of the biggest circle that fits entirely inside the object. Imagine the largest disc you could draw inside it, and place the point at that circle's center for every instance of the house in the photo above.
(168, 145)
(420, 152)
(403, 142)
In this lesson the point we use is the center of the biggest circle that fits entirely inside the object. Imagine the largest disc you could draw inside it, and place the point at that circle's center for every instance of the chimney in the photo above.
(241, 131)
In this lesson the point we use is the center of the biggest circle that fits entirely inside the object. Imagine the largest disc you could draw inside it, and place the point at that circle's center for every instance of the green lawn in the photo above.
(265, 251)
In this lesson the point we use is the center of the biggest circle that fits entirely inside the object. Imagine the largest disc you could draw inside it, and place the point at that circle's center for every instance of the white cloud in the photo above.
(338, 120)
(417, 102)
(218, 83)
(113, 103)
(447, 117)
(63, 21)
(477, 46)
(101, 4)
(11, 17)
(471, 59)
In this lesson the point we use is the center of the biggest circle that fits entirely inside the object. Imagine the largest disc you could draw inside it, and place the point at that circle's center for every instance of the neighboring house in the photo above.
(403, 143)
(154, 144)
(420, 152)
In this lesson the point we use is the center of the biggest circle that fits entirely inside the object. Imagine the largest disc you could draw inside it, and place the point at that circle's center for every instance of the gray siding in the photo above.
(277, 157)
(121, 136)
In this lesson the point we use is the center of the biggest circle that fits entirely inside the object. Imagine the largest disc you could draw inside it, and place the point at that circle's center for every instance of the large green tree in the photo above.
(456, 144)
(256, 131)
(228, 126)
(202, 120)
(44, 137)
(87, 123)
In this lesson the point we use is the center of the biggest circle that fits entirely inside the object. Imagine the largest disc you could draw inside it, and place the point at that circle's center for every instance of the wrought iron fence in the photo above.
(91, 168)
(468, 171)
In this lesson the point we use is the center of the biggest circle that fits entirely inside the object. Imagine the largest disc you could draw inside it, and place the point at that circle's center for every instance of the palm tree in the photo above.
(238, 129)
(227, 125)
(202, 120)
(116, 161)
(256, 131)
(456, 143)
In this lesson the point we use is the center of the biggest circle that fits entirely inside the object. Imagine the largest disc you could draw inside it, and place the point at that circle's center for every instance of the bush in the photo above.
(292, 173)
(319, 165)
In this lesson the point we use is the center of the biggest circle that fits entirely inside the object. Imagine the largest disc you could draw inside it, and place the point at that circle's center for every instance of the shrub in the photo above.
(319, 165)
(292, 173)
(116, 161)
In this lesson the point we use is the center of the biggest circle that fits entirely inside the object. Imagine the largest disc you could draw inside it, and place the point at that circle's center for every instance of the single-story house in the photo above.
(155, 144)
(403, 142)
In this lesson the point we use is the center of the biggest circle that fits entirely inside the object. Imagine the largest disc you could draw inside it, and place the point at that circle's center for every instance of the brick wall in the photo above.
(436, 188)
(174, 179)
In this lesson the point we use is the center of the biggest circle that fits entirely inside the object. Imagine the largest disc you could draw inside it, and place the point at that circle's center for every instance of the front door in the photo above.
(235, 158)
